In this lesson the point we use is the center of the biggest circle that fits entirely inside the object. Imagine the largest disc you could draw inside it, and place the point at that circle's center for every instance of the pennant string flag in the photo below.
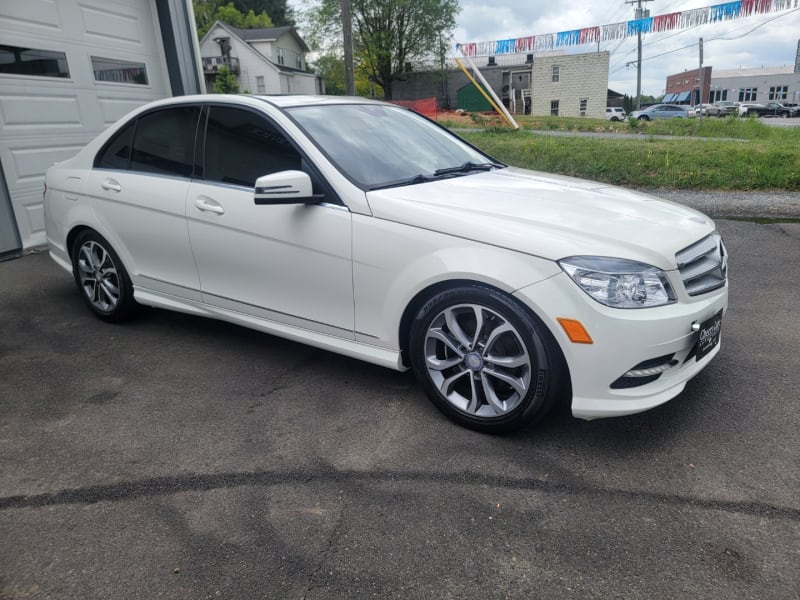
(675, 21)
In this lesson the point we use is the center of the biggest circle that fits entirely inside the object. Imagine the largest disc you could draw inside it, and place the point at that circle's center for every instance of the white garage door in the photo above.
(68, 69)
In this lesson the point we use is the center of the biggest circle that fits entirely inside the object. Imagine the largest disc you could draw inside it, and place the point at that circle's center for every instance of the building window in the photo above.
(281, 58)
(556, 73)
(584, 103)
(748, 95)
(554, 107)
(780, 92)
(119, 71)
(15, 60)
(717, 95)
(260, 87)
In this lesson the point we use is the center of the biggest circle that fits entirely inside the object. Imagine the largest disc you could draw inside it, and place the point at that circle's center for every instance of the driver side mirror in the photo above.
(286, 187)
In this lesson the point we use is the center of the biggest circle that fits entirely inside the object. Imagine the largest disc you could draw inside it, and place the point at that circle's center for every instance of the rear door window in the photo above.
(164, 141)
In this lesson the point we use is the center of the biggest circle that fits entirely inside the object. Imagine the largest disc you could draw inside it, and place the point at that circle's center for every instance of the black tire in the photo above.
(644, 118)
(614, 119)
(101, 278)
(485, 361)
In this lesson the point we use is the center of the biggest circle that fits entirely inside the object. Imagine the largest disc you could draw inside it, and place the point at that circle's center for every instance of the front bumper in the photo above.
(622, 339)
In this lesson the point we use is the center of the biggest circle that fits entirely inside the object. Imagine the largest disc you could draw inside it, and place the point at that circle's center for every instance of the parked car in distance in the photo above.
(660, 111)
(363, 228)
(743, 107)
(695, 111)
(722, 108)
(771, 109)
(615, 113)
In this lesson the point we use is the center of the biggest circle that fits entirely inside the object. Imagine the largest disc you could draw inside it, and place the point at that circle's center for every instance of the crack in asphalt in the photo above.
(163, 486)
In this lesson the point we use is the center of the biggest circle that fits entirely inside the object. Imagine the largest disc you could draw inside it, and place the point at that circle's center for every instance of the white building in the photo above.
(778, 84)
(69, 69)
(266, 61)
(570, 85)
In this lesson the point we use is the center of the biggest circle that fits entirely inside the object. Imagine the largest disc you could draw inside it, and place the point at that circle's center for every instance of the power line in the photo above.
(760, 25)
(726, 39)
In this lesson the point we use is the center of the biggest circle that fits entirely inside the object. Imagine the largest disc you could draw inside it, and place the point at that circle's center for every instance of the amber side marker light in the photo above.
(575, 331)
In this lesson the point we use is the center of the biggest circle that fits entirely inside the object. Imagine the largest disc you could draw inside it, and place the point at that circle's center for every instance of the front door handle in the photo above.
(209, 205)
(111, 185)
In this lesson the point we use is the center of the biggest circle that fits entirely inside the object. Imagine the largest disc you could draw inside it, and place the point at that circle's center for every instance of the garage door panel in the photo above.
(114, 109)
(29, 163)
(39, 14)
(111, 26)
(23, 112)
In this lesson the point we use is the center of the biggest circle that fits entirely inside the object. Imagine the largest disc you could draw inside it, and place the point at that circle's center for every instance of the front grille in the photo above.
(703, 265)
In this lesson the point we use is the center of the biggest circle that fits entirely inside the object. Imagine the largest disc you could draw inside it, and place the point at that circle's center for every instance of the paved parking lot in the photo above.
(177, 457)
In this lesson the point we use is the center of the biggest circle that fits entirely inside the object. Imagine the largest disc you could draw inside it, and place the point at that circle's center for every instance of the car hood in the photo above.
(546, 215)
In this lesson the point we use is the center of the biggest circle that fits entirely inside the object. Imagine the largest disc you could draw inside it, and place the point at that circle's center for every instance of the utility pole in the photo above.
(639, 13)
(700, 116)
(347, 35)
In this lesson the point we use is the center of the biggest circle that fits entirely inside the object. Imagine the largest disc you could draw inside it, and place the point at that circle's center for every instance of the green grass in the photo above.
(767, 159)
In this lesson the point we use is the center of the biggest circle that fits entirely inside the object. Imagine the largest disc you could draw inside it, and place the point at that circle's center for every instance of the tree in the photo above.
(389, 36)
(226, 82)
(207, 12)
(278, 10)
(330, 67)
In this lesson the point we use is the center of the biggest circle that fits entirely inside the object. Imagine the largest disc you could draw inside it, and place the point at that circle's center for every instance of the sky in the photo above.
(759, 40)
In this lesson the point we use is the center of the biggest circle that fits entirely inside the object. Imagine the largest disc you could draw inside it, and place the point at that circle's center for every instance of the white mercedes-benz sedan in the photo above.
(365, 229)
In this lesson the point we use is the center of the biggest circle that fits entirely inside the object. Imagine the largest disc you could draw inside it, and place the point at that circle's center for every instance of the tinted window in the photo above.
(29, 61)
(116, 153)
(118, 71)
(242, 146)
(164, 141)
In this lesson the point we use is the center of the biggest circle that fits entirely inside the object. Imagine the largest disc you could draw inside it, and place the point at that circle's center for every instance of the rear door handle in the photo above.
(111, 185)
(209, 205)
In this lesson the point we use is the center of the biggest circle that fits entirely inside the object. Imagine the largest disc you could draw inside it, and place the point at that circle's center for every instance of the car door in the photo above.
(288, 263)
(138, 189)
(661, 111)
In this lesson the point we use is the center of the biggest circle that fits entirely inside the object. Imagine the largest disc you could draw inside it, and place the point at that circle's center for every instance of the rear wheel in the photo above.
(484, 361)
(101, 278)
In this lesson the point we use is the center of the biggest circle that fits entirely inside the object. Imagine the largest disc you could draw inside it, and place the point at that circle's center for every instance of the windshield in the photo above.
(379, 146)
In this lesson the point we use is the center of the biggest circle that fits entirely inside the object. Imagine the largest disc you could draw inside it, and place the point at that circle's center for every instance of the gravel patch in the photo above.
(721, 204)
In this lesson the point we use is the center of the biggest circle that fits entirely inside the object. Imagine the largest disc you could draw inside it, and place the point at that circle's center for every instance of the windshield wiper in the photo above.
(467, 167)
(411, 181)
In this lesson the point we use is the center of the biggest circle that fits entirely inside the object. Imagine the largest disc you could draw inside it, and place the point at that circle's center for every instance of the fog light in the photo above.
(650, 371)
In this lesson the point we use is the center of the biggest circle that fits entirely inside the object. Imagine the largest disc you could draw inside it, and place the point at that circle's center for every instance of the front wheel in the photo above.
(101, 278)
(644, 118)
(484, 361)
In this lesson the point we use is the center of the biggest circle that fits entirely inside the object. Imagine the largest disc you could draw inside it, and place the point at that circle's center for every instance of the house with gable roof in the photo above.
(266, 61)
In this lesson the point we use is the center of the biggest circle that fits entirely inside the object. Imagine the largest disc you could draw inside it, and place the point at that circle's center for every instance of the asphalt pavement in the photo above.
(179, 457)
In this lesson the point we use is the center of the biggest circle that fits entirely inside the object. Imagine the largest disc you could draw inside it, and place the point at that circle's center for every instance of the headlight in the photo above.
(619, 283)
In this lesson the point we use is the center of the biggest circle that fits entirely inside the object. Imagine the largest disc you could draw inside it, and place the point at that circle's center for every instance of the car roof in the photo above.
(279, 101)
(286, 101)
